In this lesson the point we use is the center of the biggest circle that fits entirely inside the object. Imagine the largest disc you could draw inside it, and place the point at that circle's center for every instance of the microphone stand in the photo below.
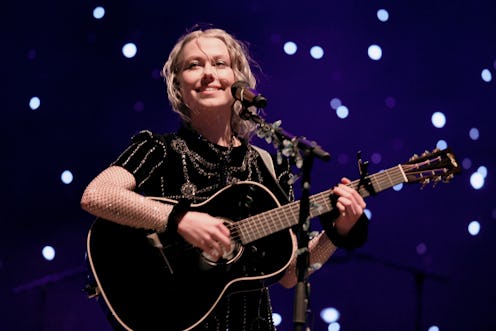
(294, 147)
(302, 289)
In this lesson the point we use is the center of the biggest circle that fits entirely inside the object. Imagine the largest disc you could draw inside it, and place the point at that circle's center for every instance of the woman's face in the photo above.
(206, 76)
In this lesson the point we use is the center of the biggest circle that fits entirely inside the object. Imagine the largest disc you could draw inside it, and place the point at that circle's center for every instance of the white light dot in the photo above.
(398, 187)
(342, 112)
(483, 171)
(34, 103)
(290, 48)
(477, 180)
(368, 213)
(329, 315)
(334, 327)
(276, 318)
(486, 75)
(375, 52)
(48, 253)
(66, 177)
(474, 228)
(316, 52)
(98, 12)
(382, 15)
(129, 50)
(474, 133)
(335, 103)
(433, 328)
(438, 119)
(441, 144)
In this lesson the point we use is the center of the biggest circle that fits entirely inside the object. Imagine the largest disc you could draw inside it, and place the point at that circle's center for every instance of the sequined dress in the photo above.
(185, 165)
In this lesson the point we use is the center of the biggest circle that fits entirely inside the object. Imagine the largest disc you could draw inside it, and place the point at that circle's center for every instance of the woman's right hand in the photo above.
(206, 232)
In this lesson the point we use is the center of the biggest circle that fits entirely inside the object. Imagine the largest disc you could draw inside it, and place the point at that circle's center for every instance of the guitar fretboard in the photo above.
(284, 217)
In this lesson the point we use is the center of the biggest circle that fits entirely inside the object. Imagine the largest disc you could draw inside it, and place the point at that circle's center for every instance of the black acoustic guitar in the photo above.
(148, 282)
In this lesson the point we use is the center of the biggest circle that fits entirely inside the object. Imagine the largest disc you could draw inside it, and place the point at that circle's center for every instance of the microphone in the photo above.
(249, 97)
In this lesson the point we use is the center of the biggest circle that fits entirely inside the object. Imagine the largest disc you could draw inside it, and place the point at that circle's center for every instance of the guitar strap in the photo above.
(269, 164)
(267, 160)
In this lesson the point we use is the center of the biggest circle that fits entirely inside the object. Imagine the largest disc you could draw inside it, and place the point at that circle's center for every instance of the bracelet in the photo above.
(333, 235)
(356, 237)
(177, 213)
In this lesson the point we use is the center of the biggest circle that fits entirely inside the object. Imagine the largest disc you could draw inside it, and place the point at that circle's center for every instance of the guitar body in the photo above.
(176, 287)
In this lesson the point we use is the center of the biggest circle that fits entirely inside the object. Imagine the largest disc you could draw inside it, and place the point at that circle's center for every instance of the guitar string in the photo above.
(397, 177)
(258, 231)
(255, 227)
(258, 224)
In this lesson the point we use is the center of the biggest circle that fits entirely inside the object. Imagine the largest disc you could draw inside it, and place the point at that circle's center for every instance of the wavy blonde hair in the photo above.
(240, 64)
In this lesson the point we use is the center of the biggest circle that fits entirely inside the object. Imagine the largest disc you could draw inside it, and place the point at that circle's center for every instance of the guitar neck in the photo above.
(284, 217)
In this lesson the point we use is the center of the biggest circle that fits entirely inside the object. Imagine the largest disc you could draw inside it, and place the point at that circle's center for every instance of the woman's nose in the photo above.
(208, 71)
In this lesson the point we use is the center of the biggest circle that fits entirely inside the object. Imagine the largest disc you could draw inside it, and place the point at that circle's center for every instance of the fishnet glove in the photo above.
(320, 249)
(110, 196)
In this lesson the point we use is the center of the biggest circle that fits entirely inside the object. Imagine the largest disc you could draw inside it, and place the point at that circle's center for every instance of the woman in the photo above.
(210, 151)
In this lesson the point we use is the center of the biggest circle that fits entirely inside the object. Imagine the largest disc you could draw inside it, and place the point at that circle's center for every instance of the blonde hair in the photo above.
(240, 64)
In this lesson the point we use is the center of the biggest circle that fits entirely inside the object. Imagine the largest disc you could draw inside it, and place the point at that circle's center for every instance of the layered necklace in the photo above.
(219, 173)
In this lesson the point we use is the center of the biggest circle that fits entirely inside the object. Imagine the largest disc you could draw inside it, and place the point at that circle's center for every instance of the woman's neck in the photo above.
(216, 129)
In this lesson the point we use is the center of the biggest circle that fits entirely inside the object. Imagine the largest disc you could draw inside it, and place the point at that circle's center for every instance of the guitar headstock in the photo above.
(432, 167)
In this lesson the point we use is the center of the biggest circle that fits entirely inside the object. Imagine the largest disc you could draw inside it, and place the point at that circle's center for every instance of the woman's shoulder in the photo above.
(147, 136)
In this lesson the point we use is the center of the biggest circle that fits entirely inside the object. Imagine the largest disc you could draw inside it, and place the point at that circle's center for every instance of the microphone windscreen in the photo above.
(237, 86)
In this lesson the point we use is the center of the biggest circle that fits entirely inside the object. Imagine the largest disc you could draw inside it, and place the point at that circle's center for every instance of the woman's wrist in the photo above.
(176, 215)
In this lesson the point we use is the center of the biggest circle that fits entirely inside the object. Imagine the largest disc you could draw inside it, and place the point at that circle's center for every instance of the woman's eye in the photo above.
(193, 65)
(221, 64)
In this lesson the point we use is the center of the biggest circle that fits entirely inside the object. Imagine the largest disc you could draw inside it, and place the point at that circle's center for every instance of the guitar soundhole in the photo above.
(227, 258)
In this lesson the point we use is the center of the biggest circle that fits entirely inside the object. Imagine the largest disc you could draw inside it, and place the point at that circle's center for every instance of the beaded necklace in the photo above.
(220, 172)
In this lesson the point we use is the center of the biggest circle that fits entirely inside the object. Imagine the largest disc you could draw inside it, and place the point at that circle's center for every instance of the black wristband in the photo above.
(356, 237)
(176, 214)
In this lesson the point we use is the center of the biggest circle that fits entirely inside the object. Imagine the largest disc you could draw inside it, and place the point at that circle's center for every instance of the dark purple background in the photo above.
(93, 99)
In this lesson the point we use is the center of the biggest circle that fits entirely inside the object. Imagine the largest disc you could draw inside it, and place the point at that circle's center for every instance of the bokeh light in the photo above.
(317, 52)
(290, 48)
(34, 103)
(375, 52)
(129, 50)
(48, 253)
(98, 12)
(383, 15)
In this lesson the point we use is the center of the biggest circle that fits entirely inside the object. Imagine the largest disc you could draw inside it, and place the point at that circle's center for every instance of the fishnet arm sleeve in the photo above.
(110, 196)
(320, 248)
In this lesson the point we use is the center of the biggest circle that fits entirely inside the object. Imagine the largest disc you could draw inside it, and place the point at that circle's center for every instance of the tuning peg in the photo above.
(436, 180)
(448, 178)
(414, 157)
(425, 182)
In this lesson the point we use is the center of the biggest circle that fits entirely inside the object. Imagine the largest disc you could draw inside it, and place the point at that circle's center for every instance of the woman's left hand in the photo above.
(350, 205)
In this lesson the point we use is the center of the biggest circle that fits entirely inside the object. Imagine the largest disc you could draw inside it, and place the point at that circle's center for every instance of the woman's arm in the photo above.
(110, 196)
(349, 230)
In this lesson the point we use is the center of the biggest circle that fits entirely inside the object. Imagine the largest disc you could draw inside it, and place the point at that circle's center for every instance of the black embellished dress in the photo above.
(185, 165)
